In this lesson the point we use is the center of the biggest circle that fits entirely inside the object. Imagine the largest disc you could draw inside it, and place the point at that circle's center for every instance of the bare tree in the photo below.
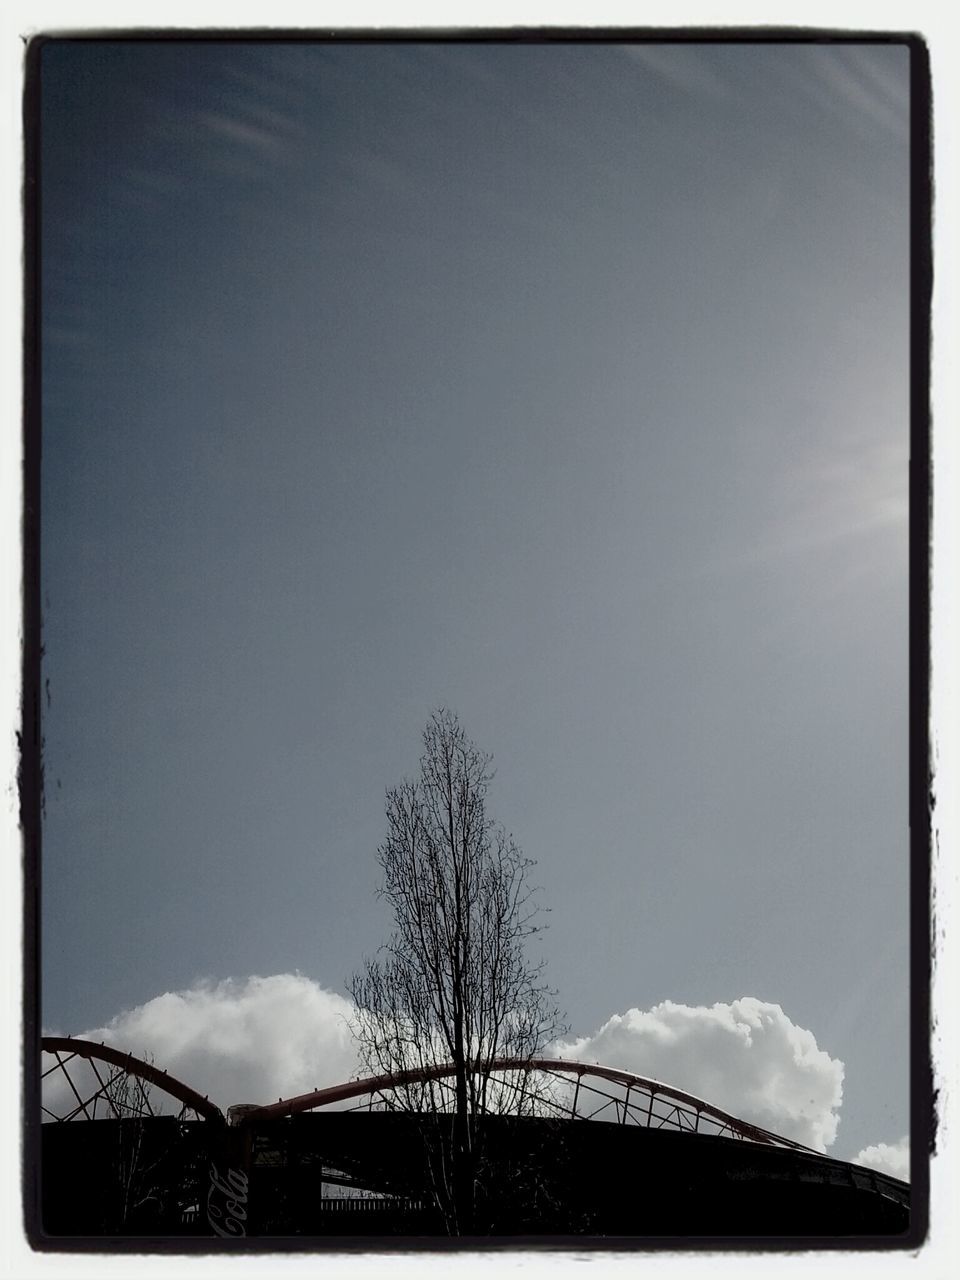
(454, 983)
(131, 1099)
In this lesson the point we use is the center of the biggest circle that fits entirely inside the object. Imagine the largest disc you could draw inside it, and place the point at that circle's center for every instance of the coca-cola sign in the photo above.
(227, 1202)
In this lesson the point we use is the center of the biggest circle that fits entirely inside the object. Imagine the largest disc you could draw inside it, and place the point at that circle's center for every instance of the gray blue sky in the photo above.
(562, 385)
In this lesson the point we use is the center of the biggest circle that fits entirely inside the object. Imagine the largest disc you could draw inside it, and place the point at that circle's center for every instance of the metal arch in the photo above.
(685, 1111)
(682, 1103)
(129, 1065)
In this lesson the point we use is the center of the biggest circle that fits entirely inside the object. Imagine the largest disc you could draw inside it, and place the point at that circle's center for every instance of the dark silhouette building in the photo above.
(604, 1153)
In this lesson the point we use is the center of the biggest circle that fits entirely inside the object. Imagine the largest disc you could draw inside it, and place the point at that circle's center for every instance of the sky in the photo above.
(564, 386)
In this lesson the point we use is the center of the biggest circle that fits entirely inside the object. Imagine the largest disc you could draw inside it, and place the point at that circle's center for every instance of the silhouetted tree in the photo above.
(454, 983)
(130, 1099)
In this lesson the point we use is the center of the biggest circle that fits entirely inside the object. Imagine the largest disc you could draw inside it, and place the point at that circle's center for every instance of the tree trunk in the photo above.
(463, 1173)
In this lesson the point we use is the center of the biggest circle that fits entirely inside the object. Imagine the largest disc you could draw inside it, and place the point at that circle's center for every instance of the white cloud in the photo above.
(887, 1158)
(254, 1040)
(259, 1039)
(745, 1057)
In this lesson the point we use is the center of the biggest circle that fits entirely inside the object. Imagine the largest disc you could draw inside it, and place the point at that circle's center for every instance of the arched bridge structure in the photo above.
(564, 1088)
(560, 1087)
(98, 1082)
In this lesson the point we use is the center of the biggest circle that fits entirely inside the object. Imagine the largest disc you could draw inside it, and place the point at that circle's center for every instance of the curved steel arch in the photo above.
(128, 1065)
(681, 1103)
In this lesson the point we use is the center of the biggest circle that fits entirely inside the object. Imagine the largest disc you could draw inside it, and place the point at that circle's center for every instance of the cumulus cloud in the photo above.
(259, 1039)
(254, 1040)
(885, 1157)
(746, 1057)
